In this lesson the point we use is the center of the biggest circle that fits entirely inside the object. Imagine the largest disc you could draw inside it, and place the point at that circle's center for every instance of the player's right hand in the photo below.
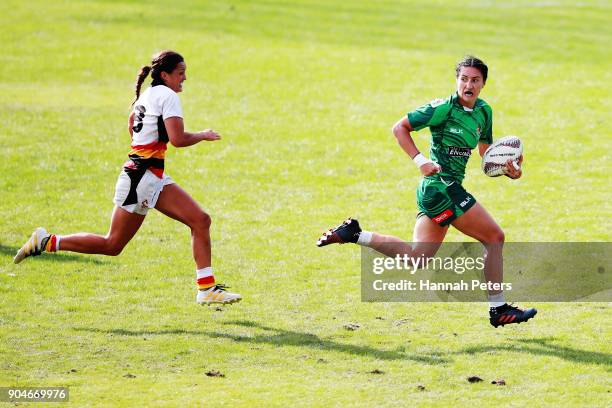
(429, 169)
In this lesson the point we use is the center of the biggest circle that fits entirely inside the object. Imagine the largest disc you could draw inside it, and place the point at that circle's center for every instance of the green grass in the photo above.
(304, 94)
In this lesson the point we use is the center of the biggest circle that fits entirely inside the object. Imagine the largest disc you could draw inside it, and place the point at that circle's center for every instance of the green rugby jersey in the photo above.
(455, 131)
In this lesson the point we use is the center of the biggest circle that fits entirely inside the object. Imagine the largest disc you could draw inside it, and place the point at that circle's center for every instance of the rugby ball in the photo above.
(495, 157)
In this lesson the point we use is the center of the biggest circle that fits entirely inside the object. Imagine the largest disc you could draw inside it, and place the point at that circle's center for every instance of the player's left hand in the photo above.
(209, 135)
(513, 168)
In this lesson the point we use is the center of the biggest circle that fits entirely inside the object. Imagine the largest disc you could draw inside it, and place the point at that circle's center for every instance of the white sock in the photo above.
(204, 272)
(57, 241)
(365, 237)
(497, 300)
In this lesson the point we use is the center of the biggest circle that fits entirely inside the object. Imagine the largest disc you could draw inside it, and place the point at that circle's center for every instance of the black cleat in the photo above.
(348, 231)
(506, 314)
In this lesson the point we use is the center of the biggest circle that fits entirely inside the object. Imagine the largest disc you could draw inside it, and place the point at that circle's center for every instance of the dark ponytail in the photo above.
(144, 72)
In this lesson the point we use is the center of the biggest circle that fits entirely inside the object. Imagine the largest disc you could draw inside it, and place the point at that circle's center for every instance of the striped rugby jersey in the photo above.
(149, 138)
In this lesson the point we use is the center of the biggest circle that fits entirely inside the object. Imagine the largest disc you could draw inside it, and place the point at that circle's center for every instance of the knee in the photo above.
(201, 222)
(496, 236)
(113, 248)
(499, 236)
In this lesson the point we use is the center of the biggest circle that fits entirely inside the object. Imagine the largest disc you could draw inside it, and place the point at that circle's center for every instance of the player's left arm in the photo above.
(486, 137)
(513, 168)
(482, 148)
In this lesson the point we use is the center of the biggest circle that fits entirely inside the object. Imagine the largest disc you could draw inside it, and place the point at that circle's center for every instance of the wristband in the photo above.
(420, 160)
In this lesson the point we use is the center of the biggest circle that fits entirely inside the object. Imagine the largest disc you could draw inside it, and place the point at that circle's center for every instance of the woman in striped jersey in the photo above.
(156, 119)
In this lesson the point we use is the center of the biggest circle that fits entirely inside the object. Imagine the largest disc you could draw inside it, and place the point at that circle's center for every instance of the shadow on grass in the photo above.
(545, 347)
(282, 337)
(60, 257)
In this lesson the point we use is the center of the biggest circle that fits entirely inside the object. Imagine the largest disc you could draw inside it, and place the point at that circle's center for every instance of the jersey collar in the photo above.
(455, 100)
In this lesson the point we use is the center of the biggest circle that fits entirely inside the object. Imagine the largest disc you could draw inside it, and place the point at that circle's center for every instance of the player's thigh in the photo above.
(176, 203)
(426, 230)
(479, 224)
(124, 226)
(428, 235)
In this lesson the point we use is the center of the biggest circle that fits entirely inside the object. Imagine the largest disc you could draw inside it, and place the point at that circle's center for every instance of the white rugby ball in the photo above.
(504, 149)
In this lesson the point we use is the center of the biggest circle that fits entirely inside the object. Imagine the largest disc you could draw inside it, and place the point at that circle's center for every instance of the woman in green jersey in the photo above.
(458, 124)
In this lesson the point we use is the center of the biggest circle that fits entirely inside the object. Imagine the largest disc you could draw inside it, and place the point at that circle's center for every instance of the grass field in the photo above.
(304, 94)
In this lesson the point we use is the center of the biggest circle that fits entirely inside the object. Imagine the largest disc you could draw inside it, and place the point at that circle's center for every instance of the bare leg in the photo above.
(123, 227)
(176, 203)
(478, 224)
(427, 239)
(390, 245)
(428, 236)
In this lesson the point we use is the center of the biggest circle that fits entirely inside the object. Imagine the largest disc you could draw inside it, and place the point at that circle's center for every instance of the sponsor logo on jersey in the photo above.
(459, 151)
(465, 202)
(457, 131)
(443, 216)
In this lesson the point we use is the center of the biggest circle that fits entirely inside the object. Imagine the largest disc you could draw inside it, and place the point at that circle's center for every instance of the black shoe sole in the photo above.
(515, 322)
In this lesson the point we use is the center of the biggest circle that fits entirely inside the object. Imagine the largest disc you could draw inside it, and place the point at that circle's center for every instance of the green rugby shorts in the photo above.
(442, 201)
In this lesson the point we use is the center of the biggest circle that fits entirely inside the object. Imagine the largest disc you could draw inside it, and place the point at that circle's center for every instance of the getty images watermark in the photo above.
(411, 264)
(547, 272)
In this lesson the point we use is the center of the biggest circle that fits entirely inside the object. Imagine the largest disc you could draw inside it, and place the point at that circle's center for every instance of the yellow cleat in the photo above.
(217, 294)
(34, 246)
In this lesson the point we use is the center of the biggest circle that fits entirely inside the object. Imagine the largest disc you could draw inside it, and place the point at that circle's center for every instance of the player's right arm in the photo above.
(180, 138)
(402, 130)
